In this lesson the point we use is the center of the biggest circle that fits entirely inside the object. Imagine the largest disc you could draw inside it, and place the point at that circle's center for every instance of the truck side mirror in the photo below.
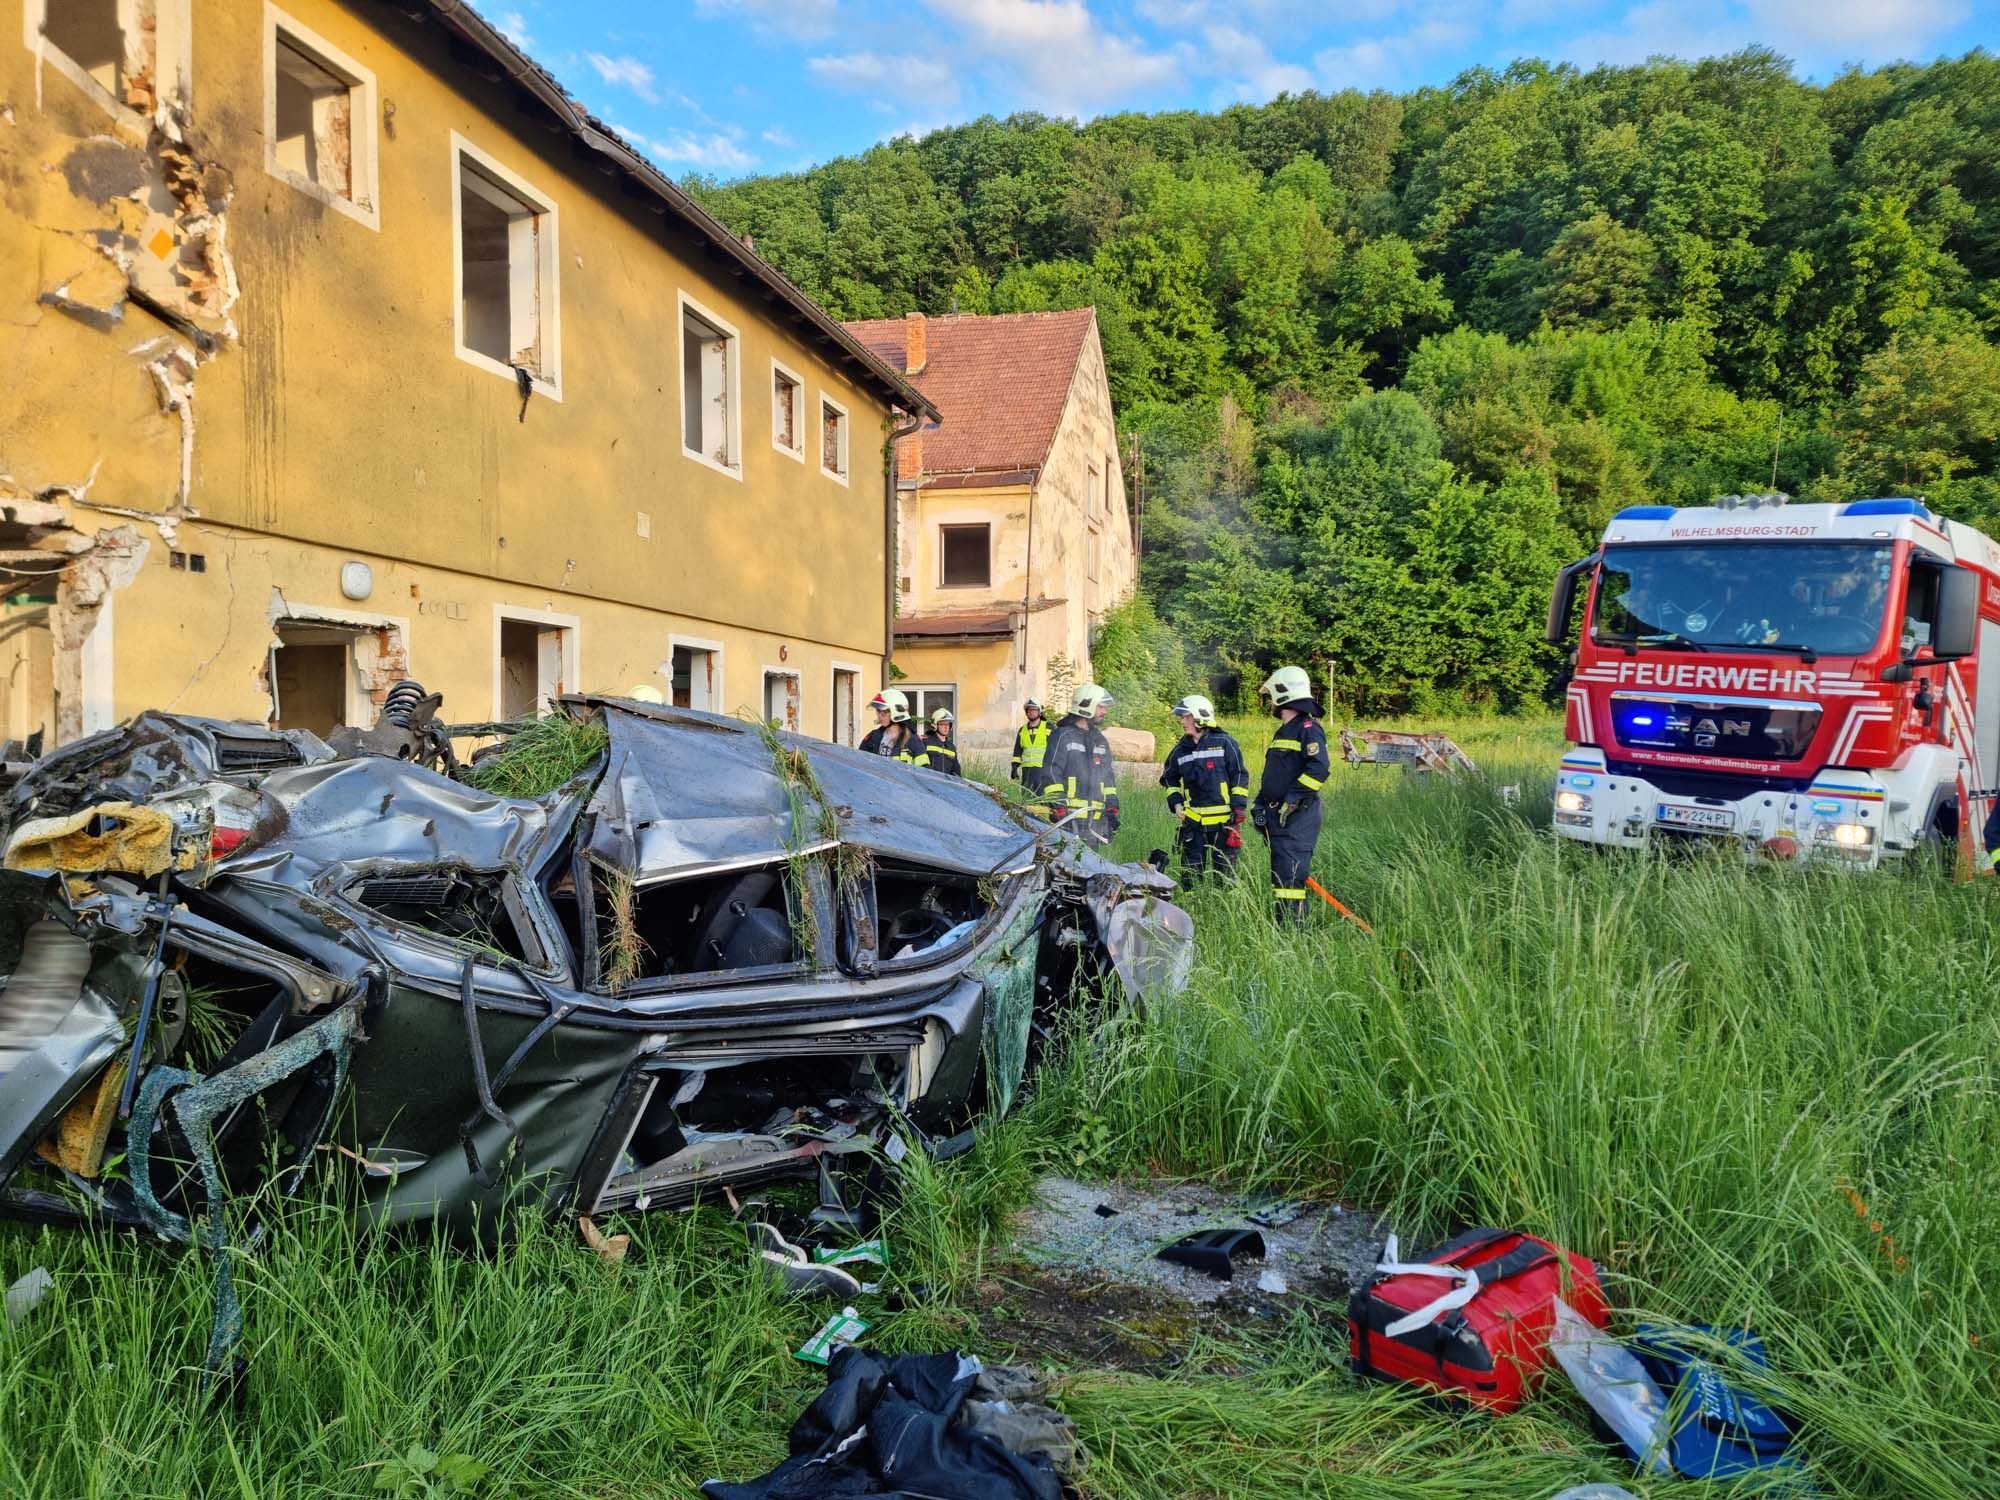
(1564, 598)
(1957, 632)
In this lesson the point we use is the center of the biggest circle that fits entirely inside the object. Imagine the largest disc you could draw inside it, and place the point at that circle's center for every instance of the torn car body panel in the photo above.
(717, 954)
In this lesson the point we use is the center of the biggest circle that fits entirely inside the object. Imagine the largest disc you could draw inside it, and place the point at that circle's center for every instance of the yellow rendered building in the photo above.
(344, 346)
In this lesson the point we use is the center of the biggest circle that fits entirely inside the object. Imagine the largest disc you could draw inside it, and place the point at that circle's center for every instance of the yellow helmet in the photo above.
(1197, 708)
(1287, 685)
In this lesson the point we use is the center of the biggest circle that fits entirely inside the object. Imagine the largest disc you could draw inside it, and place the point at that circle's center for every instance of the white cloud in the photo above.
(514, 26)
(1394, 58)
(780, 20)
(774, 135)
(715, 150)
(1819, 35)
(1248, 70)
(625, 73)
(1057, 54)
(868, 72)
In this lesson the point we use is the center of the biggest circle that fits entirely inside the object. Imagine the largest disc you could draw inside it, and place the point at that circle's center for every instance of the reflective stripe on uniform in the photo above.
(1286, 745)
(1286, 894)
(1311, 783)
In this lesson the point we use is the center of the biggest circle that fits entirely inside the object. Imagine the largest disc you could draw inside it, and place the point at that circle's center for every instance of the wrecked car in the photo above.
(714, 954)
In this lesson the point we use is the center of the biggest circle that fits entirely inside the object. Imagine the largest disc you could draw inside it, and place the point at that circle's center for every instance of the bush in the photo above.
(1140, 658)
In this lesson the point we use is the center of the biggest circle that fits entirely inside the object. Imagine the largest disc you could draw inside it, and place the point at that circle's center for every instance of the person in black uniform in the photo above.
(1288, 810)
(937, 749)
(891, 736)
(1209, 790)
(1077, 776)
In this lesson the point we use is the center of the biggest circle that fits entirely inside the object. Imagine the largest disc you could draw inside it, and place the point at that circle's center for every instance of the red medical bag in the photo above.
(1480, 1343)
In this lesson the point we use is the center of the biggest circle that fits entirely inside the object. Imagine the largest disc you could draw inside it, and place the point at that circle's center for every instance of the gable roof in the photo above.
(479, 46)
(1000, 383)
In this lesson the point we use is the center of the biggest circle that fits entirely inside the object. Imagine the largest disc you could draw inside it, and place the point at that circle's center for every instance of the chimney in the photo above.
(910, 456)
(915, 356)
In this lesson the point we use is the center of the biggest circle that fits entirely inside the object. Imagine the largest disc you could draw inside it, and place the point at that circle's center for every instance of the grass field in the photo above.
(1754, 1095)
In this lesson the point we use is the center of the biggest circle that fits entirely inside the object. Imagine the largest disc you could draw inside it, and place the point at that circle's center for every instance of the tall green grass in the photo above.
(1757, 1095)
(1691, 1070)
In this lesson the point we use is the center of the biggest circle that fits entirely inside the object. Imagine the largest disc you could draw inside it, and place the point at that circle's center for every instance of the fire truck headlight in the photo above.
(1572, 802)
(1853, 835)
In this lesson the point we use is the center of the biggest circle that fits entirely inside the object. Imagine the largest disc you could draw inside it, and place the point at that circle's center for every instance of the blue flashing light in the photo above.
(1583, 781)
(1900, 506)
(1645, 513)
(1644, 721)
(1825, 808)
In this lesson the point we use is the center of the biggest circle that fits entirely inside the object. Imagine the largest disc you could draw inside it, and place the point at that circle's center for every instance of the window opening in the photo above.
(966, 553)
(531, 667)
(310, 673)
(832, 439)
(925, 701)
(694, 677)
(501, 254)
(737, 920)
(781, 699)
(321, 121)
(91, 34)
(705, 360)
(476, 908)
(785, 412)
(846, 692)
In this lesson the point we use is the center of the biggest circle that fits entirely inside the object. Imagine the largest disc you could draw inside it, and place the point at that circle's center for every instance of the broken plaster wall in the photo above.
(116, 287)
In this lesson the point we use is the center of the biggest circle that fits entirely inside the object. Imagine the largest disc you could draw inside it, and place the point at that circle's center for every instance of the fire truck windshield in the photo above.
(1819, 597)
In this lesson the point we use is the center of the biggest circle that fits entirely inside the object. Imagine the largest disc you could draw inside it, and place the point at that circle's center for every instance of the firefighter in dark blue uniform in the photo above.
(1209, 790)
(1288, 811)
(1078, 780)
(937, 749)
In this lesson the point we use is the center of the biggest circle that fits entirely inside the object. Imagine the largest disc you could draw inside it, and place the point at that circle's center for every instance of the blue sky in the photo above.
(731, 87)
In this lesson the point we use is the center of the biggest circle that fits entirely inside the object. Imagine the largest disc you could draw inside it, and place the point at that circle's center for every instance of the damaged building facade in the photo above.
(346, 348)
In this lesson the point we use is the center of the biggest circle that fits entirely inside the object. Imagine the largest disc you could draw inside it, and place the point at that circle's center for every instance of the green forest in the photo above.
(1385, 362)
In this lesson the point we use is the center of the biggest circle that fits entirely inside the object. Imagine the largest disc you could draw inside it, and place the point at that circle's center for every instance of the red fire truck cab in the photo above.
(1810, 681)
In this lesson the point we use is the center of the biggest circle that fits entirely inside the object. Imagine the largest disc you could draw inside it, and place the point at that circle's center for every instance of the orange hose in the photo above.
(1327, 896)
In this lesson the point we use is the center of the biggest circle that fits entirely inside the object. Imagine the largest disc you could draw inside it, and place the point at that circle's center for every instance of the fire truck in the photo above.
(1811, 682)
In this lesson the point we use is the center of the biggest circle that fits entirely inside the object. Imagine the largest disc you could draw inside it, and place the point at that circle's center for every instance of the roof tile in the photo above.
(1001, 381)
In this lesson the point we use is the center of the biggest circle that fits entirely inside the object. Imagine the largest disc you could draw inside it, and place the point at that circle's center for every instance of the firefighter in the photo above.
(1288, 811)
(891, 736)
(1209, 791)
(936, 749)
(1077, 777)
(1031, 743)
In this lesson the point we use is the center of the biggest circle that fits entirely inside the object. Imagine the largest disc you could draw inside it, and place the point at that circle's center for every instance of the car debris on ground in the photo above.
(1412, 750)
(706, 954)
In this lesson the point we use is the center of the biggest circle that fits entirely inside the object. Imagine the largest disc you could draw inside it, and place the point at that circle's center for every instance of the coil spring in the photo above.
(400, 699)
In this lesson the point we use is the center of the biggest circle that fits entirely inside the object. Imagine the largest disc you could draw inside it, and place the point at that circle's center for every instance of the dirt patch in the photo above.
(1033, 1314)
(1113, 1232)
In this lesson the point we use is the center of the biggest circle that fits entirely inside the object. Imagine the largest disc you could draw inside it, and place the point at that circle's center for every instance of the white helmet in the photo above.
(943, 716)
(645, 692)
(1089, 698)
(1287, 685)
(895, 702)
(1034, 703)
(1197, 708)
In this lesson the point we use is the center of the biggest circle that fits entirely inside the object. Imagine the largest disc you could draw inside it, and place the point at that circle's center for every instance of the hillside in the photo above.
(1389, 360)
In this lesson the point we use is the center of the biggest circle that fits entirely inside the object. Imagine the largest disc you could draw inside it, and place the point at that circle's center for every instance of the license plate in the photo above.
(1697, 817)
